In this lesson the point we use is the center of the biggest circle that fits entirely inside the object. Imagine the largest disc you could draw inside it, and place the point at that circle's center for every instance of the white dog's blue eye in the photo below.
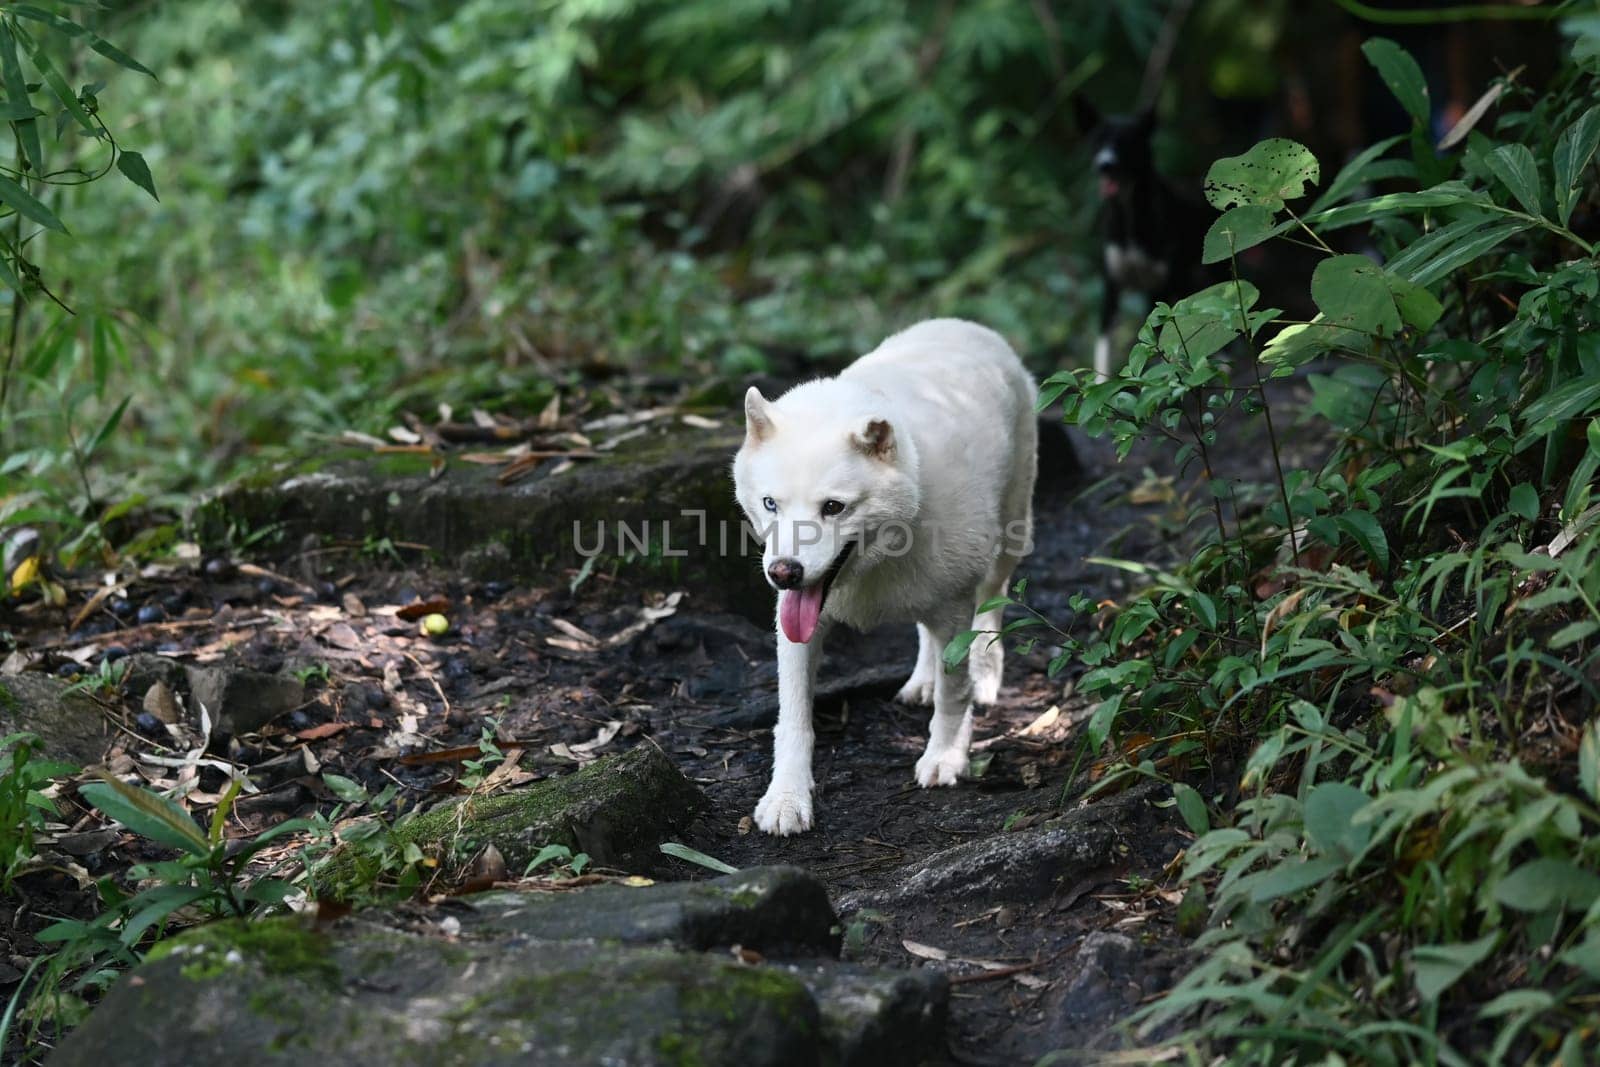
(832, 507)
(770, 504)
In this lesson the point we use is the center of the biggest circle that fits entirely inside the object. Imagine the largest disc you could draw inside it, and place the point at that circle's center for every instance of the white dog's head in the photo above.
(821, 473)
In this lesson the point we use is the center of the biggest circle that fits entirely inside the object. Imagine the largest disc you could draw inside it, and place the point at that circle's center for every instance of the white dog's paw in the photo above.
(941, 766)
(917, 690)
(784, 812)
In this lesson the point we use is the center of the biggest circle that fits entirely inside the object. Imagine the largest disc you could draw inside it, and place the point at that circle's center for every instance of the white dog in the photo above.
(900, 491)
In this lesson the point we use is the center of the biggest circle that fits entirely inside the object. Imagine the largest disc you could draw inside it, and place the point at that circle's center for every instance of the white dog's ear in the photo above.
(757, 416)
(876, 439)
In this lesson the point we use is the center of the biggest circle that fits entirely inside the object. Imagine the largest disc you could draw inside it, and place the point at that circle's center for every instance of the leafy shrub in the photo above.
(1402, 640)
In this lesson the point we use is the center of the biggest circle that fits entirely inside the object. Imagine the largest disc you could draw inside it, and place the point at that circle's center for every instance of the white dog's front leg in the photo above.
(950, 730)
(786, 808)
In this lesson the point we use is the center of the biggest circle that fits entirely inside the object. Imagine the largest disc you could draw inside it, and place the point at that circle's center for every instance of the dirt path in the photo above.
(1043, 957)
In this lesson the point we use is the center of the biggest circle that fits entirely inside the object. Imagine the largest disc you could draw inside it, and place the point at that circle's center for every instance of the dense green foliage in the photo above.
(1401, 648)
(368, 207)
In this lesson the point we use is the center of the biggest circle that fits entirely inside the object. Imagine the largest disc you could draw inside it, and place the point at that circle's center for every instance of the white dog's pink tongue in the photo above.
(799, 610)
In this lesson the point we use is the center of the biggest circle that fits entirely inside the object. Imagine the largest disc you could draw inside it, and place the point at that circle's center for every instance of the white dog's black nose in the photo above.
(786, 573)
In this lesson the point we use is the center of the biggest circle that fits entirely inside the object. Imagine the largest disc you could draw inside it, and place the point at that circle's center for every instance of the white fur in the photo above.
(953, 473)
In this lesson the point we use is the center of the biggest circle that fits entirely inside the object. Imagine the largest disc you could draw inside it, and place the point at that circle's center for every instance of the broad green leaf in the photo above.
(1419, 308)
(1238, 228)
(1574, 150)
(695, 856)
(16, 110)
(1585, 955)
(24, 203)
(1524, 502)
(147, 814)
(1353, 293)
(1202, 324)
(1548, 882)
(1329, 813)
(956, 651)
(1099, 726)
(1593, 434)
(348, 790)
(1367, 532)
(1514, 165)
(1401, 74)
(1438, 967)
(1273, 171)
(1192, 808)
(137, 171)
(1292, 876)
(17, 92)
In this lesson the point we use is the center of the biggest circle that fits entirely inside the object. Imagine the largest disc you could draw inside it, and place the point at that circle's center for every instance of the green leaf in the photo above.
(1273, 171)
(1204, 608)
(137, 171)
(1401, 74)
(1574, 149)
(1192, 808)
(1548, 882)
(956, 651)
(1367, 532)
(1564, 402)
(545, 855)
(1438, 967)
(1514, 165)
(694, 855)
(107, 428)
(156, 906)
(1445, 194)
(17, 91)
(1202, 324)
(18, 198)
(1292, 876)
(147, 814)
(72, 29)
(1237, 229)
(348, 790)
(56, 83)
(1524, 501)
(1585, 955)
(16, 110)
(1329, 819)
(1099, 725)
(1572, 633)
(1354, 173)
(1353, 294)
(1453, 245)
(1589, 760)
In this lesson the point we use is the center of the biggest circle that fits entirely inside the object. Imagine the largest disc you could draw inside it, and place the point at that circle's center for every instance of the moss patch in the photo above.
(281, 947)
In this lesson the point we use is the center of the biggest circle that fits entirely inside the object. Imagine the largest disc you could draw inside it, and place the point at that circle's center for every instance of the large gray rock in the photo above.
(495, 984)
(618, 809)
(241, 701)
(69, 724)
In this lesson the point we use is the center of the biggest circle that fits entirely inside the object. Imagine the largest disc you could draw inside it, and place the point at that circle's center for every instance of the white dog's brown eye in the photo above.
(832, 507)
(770, 504)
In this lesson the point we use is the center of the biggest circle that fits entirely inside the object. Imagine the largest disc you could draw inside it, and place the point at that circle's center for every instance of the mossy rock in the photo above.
(486, 991)
(547, 523)
(618, 810)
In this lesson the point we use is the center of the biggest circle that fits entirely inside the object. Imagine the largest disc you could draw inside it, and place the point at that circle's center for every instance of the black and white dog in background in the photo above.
(1152, 234)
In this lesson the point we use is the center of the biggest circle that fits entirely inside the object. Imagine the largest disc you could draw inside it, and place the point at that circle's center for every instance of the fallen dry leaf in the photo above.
(927, 952)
